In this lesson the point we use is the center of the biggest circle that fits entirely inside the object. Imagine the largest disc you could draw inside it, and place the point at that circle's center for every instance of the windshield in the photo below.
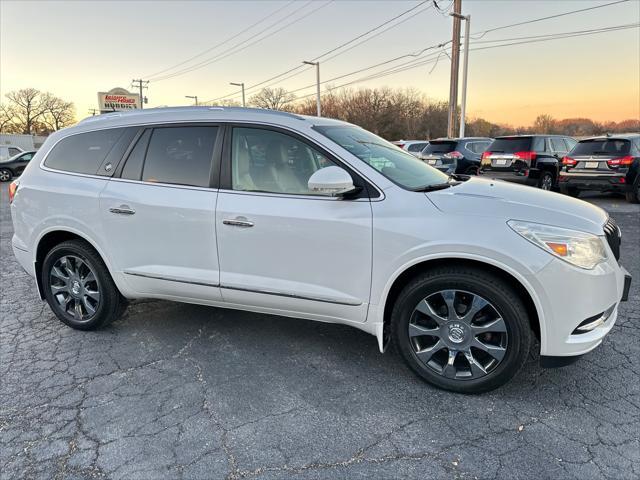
(397, 165)
(440, 147)
(612, 146)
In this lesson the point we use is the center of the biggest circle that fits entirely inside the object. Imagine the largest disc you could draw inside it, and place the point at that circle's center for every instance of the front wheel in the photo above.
(79, 288)
(461, 329)
(546, 181)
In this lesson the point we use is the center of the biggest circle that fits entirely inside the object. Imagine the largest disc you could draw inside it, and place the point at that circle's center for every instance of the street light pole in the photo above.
(317, 65)
(194, 97)
(465, 66)
(240, 85)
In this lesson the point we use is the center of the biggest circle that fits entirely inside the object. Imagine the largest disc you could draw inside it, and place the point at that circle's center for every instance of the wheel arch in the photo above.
(404, 277)
(53, 237)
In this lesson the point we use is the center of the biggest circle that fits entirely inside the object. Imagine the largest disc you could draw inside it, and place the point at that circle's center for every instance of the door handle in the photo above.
(122, 210)
(238, 222)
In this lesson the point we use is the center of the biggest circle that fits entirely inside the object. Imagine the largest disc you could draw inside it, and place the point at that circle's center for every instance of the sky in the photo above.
(76, 48)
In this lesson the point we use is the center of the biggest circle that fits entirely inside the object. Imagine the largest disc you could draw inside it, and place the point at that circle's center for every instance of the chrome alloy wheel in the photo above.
(458, 334)
(547, 183)
(75, 287)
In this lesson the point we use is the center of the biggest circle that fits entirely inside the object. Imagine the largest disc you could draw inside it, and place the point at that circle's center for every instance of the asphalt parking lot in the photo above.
(183, 391)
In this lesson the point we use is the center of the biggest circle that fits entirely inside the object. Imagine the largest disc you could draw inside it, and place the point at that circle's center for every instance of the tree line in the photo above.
(409, 114)
(31, 111)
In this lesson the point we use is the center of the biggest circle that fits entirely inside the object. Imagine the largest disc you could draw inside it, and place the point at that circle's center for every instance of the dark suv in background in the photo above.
(534, 160)
(604, 164)
(455, 155)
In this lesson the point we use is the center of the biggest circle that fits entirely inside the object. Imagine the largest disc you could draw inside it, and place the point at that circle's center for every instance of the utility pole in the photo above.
(241, 84)
(193, 97)
(455, 64)
(140, 84)
(317, 65)
(465, 66)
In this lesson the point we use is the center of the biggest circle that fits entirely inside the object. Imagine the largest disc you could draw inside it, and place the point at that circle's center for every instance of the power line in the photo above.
(224, 41)
(377, 27)
(238, 48)
(430, 59)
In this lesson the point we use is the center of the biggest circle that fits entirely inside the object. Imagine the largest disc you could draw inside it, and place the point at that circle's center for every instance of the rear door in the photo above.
(158, 212)
(600, 155)
(281, 246)
(509, 154)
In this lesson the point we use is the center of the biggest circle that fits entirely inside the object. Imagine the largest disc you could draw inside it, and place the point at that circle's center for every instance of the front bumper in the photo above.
(571, 295)
(594, 181)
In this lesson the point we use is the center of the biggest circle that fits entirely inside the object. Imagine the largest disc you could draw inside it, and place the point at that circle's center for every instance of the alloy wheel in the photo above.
(547, 182)
(75, 287)
(5, 176)
(458, 334)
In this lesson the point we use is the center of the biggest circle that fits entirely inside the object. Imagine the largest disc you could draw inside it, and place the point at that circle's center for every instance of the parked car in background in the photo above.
(315, 218)
(8, 151)
(455, 155)
(533, 160)
(14, 166)
(414, 147)
(604, 164)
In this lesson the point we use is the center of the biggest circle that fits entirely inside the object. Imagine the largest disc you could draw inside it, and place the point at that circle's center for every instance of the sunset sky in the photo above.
(76, 48)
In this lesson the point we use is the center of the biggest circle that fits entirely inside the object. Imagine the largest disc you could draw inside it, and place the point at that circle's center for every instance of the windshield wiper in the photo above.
(436, 186)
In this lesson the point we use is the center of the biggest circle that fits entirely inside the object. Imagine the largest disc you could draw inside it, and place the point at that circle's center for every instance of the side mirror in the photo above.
(331, 181)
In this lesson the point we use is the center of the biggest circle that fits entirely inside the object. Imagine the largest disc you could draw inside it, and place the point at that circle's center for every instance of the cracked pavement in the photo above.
(183, 391)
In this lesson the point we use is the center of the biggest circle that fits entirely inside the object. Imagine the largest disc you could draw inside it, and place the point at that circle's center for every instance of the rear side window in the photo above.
(180, 155)
(557, 144)
(84, 152)
(416, 147)
(512, 145)
(477, 147)
(602, 147)
(570, 143)
(440, 147)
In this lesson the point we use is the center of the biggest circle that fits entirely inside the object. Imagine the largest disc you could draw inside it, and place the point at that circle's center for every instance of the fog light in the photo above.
(594, 322)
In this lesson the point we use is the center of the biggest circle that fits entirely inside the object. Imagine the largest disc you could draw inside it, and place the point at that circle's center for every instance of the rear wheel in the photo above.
(79, 288)
(5, 175)
(546, 181)
(633, 195)
(461, 329)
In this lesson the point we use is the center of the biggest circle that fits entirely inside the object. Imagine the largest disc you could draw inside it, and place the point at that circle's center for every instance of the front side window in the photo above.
(180, 155)
(268, 161)
(84, 152)
(397, 165)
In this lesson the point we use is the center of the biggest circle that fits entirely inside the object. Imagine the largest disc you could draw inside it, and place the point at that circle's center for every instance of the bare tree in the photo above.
(272, 98)
(544, 124)
(59, 113)
(7, 118)
(29, 106)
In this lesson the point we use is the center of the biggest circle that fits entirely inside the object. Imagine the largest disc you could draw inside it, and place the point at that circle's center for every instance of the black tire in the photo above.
(546, 181)
(110, 305)
(5, 175)
(507, 303)
(633, 196)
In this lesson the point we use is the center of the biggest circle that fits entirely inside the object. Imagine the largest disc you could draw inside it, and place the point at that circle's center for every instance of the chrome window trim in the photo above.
(225, 123)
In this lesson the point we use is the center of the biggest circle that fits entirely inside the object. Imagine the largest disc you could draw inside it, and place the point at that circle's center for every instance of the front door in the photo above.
(158, 214)
(281, 246)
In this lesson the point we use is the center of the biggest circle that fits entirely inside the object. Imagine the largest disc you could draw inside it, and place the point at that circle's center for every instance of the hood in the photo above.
(510, 201)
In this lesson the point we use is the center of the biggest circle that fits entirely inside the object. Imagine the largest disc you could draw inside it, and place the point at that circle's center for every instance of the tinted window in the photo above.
(268, 161)
(416, 147)
(133, 167)
(511, 144)
(180, 155)
(540, 144)
(84, 152)
(397, 165)
(26, 157)
(477, 147)
(557, 144)
(440, 147)
(14, 151)
(602, 147)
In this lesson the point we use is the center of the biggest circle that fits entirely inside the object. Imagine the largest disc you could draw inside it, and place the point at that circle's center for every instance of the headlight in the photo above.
(581, 249)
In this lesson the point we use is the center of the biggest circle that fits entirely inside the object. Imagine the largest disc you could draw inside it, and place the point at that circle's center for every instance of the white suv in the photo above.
(319, 219)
